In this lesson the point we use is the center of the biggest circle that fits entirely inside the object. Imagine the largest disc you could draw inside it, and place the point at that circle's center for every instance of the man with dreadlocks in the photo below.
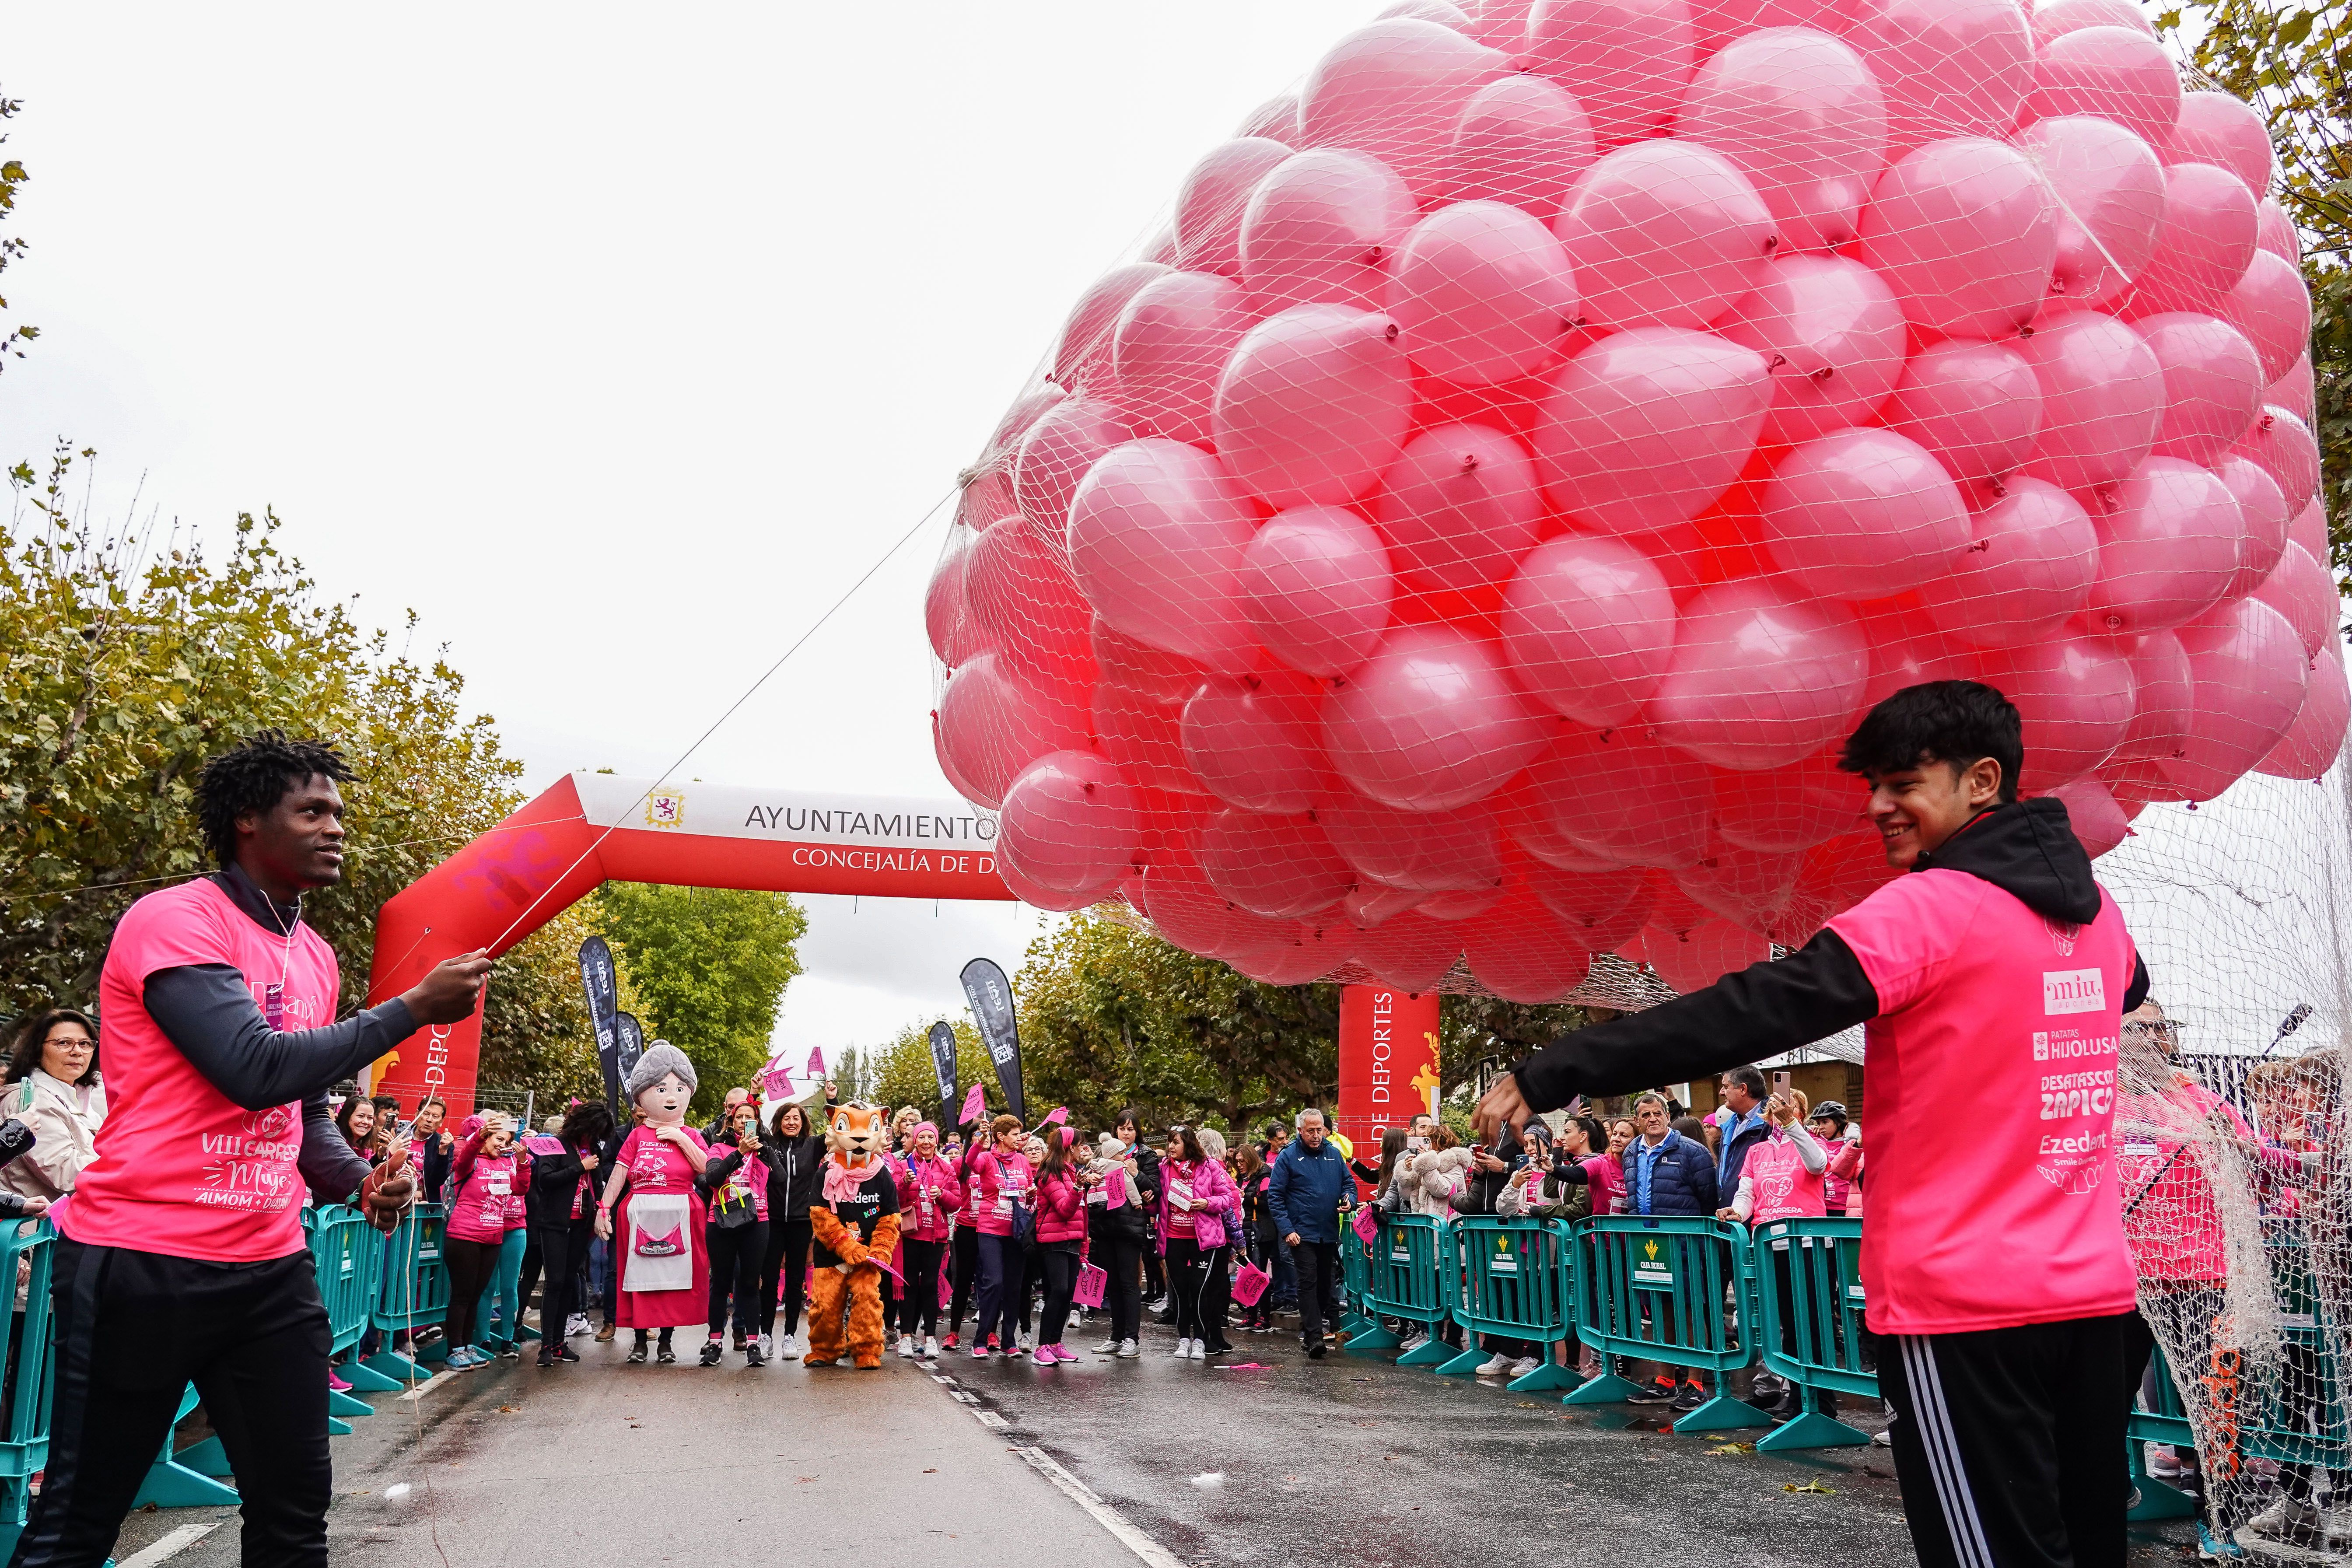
(181, 1257)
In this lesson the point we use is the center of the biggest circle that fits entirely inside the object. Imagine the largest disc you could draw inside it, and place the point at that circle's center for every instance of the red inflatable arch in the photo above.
(591, 828)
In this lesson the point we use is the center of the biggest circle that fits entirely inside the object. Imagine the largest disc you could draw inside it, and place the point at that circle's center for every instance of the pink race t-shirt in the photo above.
(1991, 1069)
(1778, 1183)
(180, 1168)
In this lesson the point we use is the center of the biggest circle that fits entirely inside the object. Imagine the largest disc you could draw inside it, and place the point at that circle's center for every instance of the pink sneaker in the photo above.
(980, 1353)
(337, 1384)
(1043, 1355)
(1062, 1353)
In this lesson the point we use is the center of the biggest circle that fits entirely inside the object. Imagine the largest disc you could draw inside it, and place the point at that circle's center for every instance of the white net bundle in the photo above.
(1453, 552)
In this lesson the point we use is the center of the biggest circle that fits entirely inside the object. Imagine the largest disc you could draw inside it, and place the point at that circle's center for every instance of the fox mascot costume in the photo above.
(855, 1227)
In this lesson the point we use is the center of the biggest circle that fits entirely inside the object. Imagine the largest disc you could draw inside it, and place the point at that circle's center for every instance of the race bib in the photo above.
(1180, 1195)
(498, 1183)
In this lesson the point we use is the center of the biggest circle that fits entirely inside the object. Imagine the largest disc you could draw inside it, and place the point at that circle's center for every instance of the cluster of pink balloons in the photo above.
(1469, 532)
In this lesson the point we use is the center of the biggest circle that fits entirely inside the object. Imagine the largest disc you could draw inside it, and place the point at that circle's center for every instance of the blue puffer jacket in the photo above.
(1681, 1177)
(1305, 1190)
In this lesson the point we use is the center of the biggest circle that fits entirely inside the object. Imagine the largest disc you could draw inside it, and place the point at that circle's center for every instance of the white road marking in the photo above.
(1110, 1517)
(427, 1386)
(187, 1535)
(991, 1419)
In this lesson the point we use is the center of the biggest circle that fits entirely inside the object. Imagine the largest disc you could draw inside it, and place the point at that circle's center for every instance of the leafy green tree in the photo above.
(1113, 1016)
(1476, 1031)
(708, 966)
(2290, 62)
(904, 1075)
(12, 174)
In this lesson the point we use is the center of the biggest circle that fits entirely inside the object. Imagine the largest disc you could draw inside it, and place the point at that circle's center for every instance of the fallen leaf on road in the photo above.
(1733, 1448)
(931, 1471)
(804, 1479)
(1809, 1487)
(506, 1410)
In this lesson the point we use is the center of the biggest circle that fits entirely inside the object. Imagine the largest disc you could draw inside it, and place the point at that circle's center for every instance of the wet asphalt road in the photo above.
(1348, 1460)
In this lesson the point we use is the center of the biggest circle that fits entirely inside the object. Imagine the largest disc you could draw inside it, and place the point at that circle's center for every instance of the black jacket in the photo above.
(2027, 849)
(553, 1179)
(792, 1174)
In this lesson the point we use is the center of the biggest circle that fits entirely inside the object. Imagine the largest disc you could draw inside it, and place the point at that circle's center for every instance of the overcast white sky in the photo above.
(615, 341)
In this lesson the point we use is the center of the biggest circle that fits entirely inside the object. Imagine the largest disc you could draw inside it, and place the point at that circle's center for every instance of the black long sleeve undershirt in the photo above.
(208, 1012)
(1746, 1016)
(331, 1168)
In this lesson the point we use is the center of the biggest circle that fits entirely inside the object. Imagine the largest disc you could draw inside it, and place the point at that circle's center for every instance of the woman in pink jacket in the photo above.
(930, 1193)
(1003, 1178)
(1196, 1199)
(484, 1236)
(1061, 1243)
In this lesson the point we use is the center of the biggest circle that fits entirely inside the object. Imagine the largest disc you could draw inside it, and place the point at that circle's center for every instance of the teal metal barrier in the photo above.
(1656, 1288)
(1356, 1274)
(172, 1484)
(1815, 1265)
(1412, 1279)
(1515, 1279)
(411, 1291)
(346, 1252)
(30, 1373)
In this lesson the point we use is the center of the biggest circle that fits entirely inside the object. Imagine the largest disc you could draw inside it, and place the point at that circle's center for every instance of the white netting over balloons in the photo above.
(1454, 551)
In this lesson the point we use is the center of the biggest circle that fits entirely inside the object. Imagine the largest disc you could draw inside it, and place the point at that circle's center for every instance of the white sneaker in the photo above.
(1412, 1343)
(576, 1325)
(930, 1347)
(790, 1350)
(1496, 1362)
(1108, 1347)
(1129, 1350)
(1200, 1348)
(907, 1347)
(1028, 1341)
(1524, 1366)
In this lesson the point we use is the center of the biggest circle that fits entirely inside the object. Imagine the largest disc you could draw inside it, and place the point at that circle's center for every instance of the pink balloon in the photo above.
(2275, 232)
(1145, 736)
(1395, 91)
(1745, 887)
(1183, 906)
(1834, 336)
(2282, 445)
(1438, 11)
(1966, 231)
(1068, 822)
(1524, 814)
(1317, 586)
(2035, 558)
(988, 499)
(2271, 306)
(1420, 851)
(1467, 905)
(1057, 452)
(2097, 821)
(2110, 191)
(2212, 384)
(1976, 406)
(1618, 796)
(2219, 129)
(1157, 532)
(2301, 590)
(2062, 16)
(2296, 391)
(991, 724)
(2251, 676)
(1024, 603)
(1589, 624)
(2316, 739)
(1082, 356)
(1460, 508)
(1703, 956)
(1862, 514)
(2207, 240)
(2102, 400)
(947, 617)
(1209, 207)
(1721, 21)
(1276, 120)
(2167, 548)
(1646, 428)
(2165, 689)
(1314, 405)
(1949, 67)
(1483, 292)
(2262, 513)
(1626, 61)
(1036, 895)
(1320, 226)
(1026, 410)
(2076, 696)
(1523, 953)
(1251, 743)
(1784, 810)
(1906, 652)
(1431, 722)
(1665, 234)
(2117, 73)
(1280, 866)
(1600, 909)
(1313, 950)
(1800, 114)
(1155, 673)
(1522, 140)
(1759, 679)
(1170, 345)
(2308, 528)
(1409, 952)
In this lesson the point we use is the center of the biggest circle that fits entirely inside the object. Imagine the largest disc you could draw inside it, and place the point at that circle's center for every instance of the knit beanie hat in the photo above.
(660, 1059)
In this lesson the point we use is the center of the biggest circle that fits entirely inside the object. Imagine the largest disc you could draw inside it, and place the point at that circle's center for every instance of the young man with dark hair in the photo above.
(182, 1257)
(1992, 982)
